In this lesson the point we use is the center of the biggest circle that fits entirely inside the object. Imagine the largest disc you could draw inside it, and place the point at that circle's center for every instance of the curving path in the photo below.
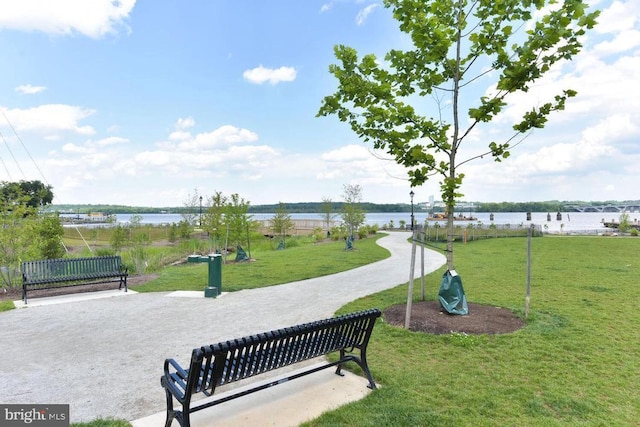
(104, 357)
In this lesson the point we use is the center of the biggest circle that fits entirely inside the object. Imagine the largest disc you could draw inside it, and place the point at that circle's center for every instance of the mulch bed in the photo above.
(430, 317)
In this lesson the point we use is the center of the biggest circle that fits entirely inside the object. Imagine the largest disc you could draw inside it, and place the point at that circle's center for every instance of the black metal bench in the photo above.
(230, 361)
(64, 272)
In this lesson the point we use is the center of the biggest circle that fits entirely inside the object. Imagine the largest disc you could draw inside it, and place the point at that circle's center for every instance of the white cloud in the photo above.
(179, 135)
(95, 18)
(185, 123)
(561, 165)
(112, 140)
(357, 164)
(50, 118)
(620, 16)
(326, 7)
(363, 14)
(348, 153)
(624, 41)
(223, 136)
(74, 148)
(261, 75)
(29, 89)
(225, 151)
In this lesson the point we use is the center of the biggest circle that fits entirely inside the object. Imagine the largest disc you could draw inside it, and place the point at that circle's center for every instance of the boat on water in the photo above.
(90, 218)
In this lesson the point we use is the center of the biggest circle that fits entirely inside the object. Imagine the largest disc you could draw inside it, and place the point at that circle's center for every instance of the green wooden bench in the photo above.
(66, 272)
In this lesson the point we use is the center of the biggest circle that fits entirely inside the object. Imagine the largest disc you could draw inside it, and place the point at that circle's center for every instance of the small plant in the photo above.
(173, 233)
(318, 234)
(338, 232)
(118, 238)
(462, 339)
(634, 232)
(625, 222)
(363, 232)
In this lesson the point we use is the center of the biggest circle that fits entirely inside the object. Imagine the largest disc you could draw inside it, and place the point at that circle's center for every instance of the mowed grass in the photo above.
(272, 267)
(576, 363)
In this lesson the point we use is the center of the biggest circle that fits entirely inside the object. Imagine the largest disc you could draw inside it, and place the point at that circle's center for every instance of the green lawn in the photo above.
(575, 363)
(272, 267)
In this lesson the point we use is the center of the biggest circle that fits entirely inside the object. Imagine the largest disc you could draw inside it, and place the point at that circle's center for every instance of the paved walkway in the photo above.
(104, 356)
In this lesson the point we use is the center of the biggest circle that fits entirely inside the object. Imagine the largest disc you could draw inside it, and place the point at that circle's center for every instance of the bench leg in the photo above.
(362, 362)
(181, 416)
(171, 413)
(365, 368)
(339, 367)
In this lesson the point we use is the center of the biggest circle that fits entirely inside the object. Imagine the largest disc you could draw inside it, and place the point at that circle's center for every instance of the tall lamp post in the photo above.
(200, 213)
(411, 194)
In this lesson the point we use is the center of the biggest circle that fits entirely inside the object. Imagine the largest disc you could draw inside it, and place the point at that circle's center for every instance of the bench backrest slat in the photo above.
(234, 360)
(62, 269)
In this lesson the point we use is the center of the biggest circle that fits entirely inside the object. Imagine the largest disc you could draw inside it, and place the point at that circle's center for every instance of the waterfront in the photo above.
(591, 222)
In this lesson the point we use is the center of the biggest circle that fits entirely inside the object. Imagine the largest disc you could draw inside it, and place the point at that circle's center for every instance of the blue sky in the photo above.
(147, 102)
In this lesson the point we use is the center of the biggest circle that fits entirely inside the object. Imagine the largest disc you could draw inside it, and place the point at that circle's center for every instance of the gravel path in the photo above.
(104, 357)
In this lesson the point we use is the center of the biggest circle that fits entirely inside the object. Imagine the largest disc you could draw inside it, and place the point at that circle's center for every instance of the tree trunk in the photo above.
(450, 214)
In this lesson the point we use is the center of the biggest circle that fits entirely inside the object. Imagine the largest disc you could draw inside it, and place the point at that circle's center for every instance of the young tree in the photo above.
(281, 221)
(327, 211)
(352, 213)
(458, 46)
(237, 219)
(192, 205)
(213, 221)
(135, 221)
(18, 224)
(624, 222)
(49, 231)
(118, 238)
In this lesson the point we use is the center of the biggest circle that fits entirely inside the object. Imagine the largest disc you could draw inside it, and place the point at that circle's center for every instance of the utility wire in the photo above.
(25, 149)
(2, 160)
(11, 152)
(37, 168)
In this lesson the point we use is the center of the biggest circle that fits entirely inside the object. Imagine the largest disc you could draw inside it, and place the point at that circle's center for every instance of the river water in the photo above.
(590, 222)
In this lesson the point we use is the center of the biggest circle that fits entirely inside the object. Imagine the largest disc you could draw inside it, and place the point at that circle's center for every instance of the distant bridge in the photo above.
(630, 207)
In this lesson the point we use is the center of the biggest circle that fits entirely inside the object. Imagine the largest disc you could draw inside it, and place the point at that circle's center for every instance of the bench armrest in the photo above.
(176, 366)
(169, 381)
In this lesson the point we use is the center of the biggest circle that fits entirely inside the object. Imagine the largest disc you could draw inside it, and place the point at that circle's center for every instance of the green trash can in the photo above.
(451, 294)
(214, 282)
